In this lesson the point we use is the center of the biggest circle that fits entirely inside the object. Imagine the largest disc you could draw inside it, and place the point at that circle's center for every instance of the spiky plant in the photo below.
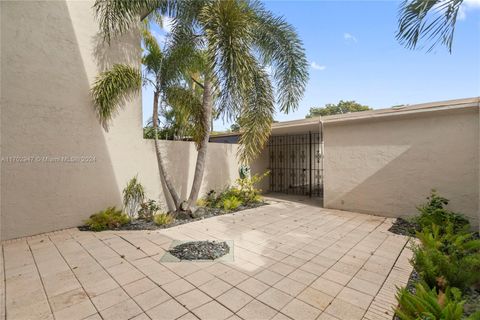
(428, 23)
(240, 39)
(133, 196)
(426, 303)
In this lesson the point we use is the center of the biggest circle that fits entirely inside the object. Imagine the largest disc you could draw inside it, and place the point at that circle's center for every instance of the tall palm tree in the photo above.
(428, 21)
(165, 71)
(240, 39)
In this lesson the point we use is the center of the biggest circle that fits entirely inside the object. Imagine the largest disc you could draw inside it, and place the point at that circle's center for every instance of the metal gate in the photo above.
(295, 163)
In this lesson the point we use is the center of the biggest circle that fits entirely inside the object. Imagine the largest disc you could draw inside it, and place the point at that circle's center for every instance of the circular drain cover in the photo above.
(200, 250)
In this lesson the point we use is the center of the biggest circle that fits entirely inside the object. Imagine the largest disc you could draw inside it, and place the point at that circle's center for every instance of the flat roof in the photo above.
(372, 114)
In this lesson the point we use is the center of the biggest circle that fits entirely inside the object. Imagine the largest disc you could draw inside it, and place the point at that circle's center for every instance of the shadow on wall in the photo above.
(389, 167)
(46, 112)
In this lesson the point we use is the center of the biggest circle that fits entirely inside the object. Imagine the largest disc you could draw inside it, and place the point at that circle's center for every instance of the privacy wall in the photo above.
(58, 164)
(387, 165)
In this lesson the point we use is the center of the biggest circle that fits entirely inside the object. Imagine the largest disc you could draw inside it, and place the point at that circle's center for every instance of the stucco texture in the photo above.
(51, 53)
(388, 166)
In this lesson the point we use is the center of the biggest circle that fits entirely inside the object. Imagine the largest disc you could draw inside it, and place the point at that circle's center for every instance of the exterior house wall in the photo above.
(389, 166)
(51, 53)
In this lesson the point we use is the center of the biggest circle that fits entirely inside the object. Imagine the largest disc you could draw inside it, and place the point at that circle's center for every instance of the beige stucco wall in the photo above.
(388, 166)
(50, 55)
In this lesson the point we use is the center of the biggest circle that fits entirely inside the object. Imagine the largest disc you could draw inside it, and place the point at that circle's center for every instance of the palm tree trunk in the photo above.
(161, 165)
(202, 150)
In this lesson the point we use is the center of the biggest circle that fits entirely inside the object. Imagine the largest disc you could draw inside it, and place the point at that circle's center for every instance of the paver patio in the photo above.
(291, 261)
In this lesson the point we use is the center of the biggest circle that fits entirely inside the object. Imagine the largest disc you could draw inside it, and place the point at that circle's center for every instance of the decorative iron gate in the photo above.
(296, 164)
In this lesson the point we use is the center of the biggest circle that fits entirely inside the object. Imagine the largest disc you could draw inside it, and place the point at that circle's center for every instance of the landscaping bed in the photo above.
(200, 250)
(199, 214)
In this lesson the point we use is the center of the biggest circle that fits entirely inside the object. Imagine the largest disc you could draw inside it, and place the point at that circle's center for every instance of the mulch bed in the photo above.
(200, 214)
(404, 227)
(200, 250)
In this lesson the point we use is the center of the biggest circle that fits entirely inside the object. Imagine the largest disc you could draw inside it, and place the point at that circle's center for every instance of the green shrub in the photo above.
(231, 203)
(110, 218)
(148, 210)
(162, 219)
(133, 196)
(243, 192)
(447, 259)
(433, 212)
(427, 304)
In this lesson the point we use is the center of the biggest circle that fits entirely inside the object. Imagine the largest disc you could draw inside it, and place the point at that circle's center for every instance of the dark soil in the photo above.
(404, 227)
(200, 214)
(200, 250)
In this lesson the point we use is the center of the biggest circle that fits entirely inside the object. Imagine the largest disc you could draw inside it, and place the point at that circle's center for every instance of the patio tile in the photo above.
(76, 312)
(233, 277)
(344, 310)
(168, 310)
(212, 311)
(193, 299)
(315, 298)
(177, 287)
(188, 316)
(269, 277)
(121, 311)
(299, 310)
(290, 286)
(139, 286)
(337, 277)
(199, 277)
(215, 287)
(253, 287)
(68, 299)
(282, 268)
(110, 298)
(256, 310)
(151, 298)
(275, 298)
(327, 286)
(302, 276)
(234, 299)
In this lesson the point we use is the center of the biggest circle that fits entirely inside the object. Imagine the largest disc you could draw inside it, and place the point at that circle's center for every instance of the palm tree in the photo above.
(428, 21)
(240, 39)
(165, 71)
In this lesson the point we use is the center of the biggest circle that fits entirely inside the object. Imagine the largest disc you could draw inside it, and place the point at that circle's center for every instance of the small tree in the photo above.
(339, 108)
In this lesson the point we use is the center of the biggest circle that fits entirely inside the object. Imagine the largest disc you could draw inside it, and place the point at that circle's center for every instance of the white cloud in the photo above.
(167, 24)
(467, 5)
(316, 66)
(349, 37)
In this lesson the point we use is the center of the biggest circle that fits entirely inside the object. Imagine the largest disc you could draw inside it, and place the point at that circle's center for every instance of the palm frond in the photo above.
(256, 117)
(188, 109)
(116, 17)
(112, 89)
(153, 57)
(279, 45)
(427, 21)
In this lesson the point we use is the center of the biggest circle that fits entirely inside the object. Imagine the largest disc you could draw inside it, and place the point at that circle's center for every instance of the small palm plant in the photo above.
(239, 40)
(133, 196)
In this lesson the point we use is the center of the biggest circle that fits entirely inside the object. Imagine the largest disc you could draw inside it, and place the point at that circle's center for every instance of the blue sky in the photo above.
(353, 55)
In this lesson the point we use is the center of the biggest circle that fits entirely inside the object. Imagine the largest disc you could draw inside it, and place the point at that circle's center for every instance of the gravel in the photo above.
(200, 214)
(404, 227)
(200, 250)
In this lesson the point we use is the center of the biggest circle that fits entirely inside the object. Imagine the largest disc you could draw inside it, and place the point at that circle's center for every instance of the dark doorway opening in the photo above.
(295, 164)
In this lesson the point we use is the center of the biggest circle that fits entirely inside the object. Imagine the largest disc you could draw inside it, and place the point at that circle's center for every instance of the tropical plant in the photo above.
(447, 258)
(231, 203)
(133, 195)
(433, 212)
(339, 108)
(240, 39)
(148, 210)
(110, 218)
(162, 219)
(247, 190)
(169, 73)
(427, 304)
(428, 21)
